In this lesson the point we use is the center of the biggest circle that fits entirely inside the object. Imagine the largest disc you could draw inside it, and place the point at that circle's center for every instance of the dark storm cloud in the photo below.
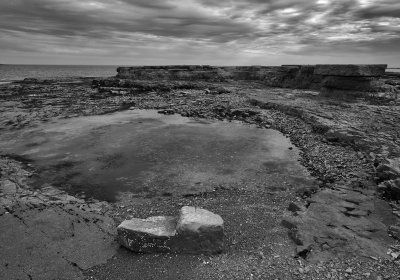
(244, 29)
(387, 8)
(156, 4)
(62, 18)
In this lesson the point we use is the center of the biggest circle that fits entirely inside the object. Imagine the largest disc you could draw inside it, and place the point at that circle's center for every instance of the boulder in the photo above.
(151, 235)
(194, 231)
(199, 231)
(350, 70)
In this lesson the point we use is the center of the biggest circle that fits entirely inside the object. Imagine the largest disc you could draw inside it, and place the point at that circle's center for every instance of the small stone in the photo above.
(289, 223)
(394, 231)
(8, 187)
(295, 207)
(349, 271)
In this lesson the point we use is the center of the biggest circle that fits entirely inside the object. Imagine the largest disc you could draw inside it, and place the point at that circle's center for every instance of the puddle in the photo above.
(145, 153)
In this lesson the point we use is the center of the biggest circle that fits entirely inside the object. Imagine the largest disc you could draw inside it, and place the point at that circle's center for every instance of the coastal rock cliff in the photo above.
(331, 78)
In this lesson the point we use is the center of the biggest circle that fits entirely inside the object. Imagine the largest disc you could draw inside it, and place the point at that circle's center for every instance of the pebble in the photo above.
(349, 270)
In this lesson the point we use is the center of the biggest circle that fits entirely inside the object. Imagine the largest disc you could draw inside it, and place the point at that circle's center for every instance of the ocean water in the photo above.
(10, 73)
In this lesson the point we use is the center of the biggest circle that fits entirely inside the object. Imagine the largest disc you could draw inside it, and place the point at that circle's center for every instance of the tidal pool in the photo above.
(146, 153)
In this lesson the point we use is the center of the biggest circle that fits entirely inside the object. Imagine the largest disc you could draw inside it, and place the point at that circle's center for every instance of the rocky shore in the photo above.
(344, 226)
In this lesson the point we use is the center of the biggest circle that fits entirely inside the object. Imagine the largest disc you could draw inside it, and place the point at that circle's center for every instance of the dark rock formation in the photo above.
(330, 77)
(193, 72)
(348, 83)
(293, 76)
(350, 70)
(391, 189)
(350, 79)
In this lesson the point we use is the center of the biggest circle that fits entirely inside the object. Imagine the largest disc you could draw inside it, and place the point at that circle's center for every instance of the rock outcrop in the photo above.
(350, 79)
(331, 78)
(350, 70)
(194, 231)
(340, 221)
(193, 72)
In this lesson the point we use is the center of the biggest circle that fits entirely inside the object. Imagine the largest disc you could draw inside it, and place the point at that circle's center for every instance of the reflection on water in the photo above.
(10, 72)
(147, 153)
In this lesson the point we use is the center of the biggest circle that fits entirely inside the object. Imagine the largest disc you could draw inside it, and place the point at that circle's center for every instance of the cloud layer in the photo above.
(199, 31)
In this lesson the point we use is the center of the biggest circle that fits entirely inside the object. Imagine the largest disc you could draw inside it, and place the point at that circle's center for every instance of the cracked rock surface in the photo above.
(48, 234)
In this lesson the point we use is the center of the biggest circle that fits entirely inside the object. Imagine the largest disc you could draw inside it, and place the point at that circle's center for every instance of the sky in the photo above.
(212, 32)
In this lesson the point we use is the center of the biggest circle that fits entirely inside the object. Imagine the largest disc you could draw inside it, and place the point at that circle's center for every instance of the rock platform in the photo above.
(331, 78)
(194, 231)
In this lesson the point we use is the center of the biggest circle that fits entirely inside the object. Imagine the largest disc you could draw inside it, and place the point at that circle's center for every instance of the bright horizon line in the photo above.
(132, 65)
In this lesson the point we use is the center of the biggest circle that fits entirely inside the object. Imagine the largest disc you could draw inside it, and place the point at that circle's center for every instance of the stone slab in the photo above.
(350, 70)
(200, 230)
(194, 231)
(194, 219)
(149, 235)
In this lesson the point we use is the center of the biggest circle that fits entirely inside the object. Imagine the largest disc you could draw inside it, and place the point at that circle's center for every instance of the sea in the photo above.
(12, 72)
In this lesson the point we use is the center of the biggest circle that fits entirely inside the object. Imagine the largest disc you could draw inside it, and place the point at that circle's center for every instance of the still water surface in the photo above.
(146, 153)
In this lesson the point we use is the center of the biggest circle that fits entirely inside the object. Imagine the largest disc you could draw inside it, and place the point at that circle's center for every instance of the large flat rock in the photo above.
(340, 222)
(350, 70)
(147, 235)
(194, 231)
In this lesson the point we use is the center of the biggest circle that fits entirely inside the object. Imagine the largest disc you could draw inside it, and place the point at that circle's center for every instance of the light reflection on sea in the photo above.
(10, 73)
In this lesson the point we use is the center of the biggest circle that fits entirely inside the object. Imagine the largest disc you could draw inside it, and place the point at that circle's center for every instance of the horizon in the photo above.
(199, 32)
(130, 65)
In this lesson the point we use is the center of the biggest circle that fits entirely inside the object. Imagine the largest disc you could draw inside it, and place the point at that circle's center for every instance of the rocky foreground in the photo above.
(345, 226)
